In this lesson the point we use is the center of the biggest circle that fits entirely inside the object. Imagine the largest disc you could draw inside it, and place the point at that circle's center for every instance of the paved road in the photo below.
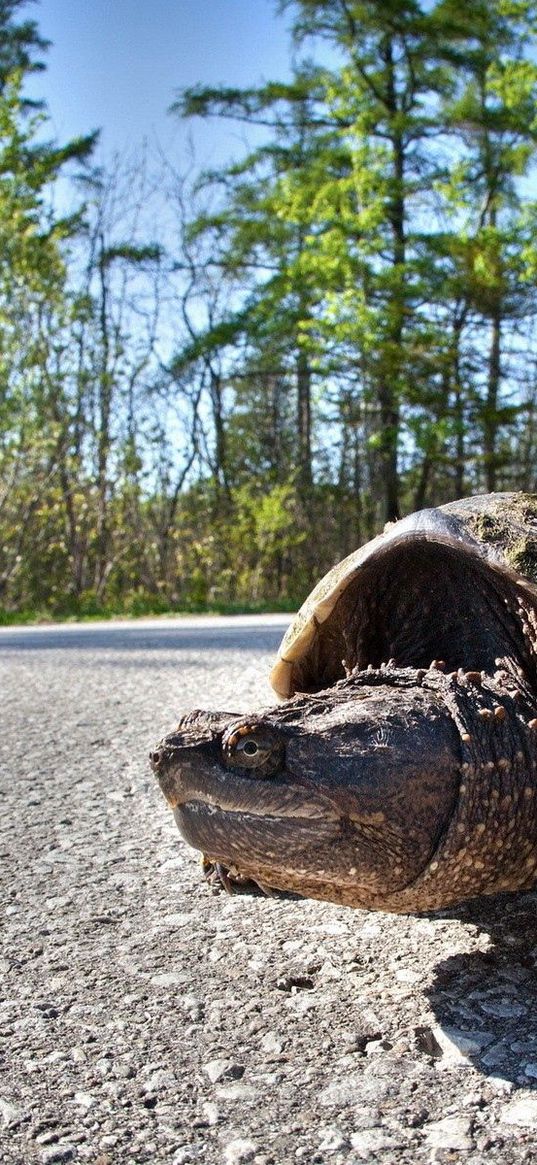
(146, 1020)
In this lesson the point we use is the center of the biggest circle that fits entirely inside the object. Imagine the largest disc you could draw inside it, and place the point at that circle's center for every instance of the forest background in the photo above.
(205, 409)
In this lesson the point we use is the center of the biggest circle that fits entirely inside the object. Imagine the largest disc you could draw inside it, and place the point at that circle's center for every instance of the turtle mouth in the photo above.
(200, 785)
(230, 834)
(281, 802)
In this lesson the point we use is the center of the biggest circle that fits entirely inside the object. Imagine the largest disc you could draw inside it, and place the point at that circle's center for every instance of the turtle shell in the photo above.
(358, 614)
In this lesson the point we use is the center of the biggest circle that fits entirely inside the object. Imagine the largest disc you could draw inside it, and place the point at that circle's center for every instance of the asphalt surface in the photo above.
(145, 1019)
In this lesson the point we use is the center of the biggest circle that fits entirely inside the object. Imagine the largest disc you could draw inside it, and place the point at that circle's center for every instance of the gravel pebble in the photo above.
(332, 1139)
(522, 1111)
(239, 1150)
(453, 1132)
(9, 1112)
(58, 1154)
(223, 1069)
(372, 1141)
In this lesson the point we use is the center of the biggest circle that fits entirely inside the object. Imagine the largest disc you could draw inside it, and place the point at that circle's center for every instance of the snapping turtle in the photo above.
(400, 773)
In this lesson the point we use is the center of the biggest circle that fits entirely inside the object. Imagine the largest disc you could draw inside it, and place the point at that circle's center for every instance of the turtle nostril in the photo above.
(154, 757)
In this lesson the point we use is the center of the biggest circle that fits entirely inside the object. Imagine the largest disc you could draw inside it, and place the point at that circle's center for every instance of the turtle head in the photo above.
(342, 795)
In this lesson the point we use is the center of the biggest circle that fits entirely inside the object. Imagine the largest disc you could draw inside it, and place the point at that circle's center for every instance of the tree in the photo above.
(385, 94)
(19, 44)
(259, 238)
(490, 112)
(333, 214)
(342, 327)
(32, 287)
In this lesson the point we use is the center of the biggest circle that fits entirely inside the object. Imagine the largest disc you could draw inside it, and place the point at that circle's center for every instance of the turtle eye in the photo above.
(252, 747)
(246, 751)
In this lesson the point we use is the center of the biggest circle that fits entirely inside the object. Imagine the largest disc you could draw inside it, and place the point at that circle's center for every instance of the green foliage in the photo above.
(351, 301)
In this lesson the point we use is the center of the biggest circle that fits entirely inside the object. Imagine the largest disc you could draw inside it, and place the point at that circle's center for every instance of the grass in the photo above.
(94, 612)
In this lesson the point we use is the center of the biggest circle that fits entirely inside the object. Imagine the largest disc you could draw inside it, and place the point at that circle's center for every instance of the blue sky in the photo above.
(116, 64)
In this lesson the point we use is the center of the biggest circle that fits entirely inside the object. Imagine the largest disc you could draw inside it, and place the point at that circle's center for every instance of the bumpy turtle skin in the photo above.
(490, 844)
(502, 527)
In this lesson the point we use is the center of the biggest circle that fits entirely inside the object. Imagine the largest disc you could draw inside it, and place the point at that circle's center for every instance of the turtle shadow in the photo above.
(485, 1002)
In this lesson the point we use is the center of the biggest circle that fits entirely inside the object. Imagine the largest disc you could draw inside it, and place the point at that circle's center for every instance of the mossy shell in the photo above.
(501, 527)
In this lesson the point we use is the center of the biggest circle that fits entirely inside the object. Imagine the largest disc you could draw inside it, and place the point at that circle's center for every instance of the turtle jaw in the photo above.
(331, 860)
(269, 850)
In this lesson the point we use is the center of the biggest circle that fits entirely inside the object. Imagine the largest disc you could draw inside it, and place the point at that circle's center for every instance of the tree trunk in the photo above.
(490, 415)
(103, 434)
(303, 380)
(220, 442)
(388, 387)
